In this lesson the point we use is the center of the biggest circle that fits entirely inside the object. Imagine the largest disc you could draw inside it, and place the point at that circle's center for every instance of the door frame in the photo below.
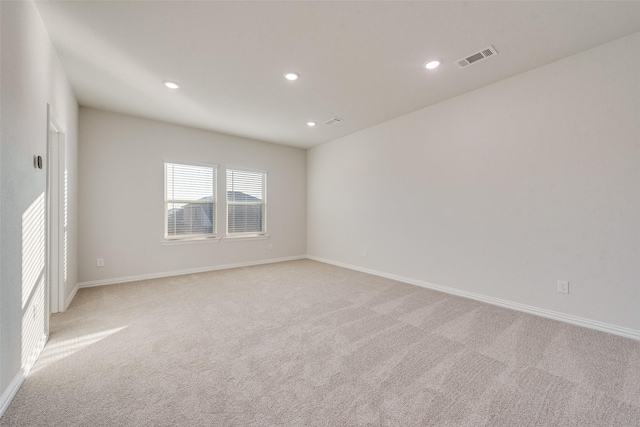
(56, 212)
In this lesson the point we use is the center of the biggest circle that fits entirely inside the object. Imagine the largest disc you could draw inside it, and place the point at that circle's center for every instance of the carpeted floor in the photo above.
(303, 343)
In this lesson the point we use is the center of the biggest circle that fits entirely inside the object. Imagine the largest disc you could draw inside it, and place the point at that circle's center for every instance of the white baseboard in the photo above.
(181, 272)
(550, 314)
(71, 296)
(14, 386)
(10, 392)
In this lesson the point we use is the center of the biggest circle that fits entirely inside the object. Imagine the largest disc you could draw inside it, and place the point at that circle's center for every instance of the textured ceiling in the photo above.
(360, 61)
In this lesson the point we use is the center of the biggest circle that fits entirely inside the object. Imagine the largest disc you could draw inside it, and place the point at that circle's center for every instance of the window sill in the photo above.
(171, 242)
(246, 237)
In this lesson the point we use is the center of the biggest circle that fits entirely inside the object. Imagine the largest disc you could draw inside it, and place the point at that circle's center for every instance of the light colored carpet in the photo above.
(308, 344)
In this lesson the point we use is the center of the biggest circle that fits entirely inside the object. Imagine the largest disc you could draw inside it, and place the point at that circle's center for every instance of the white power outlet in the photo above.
(100, 262)
(270, 246)
(365, 253)
(563, 286)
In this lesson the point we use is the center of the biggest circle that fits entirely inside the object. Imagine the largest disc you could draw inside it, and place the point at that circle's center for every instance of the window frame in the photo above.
(193, 237)
(250, 234)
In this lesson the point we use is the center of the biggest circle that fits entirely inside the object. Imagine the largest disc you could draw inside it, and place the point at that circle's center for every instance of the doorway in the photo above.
(56, 217)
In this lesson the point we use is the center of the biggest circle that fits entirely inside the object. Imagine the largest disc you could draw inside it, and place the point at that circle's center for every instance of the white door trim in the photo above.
(56, 215)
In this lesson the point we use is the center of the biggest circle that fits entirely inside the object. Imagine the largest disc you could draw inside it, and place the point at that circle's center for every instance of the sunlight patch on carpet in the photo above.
(55, 351)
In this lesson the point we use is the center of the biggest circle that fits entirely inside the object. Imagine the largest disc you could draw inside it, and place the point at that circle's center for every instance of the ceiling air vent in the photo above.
(478, 56)
(333, 121)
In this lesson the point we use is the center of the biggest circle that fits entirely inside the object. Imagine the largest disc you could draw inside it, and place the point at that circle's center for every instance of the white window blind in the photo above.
(246, 202)
(190, 200)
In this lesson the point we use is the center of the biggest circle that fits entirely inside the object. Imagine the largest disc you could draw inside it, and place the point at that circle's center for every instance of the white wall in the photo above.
(122, 189)
(31, 77)
(501, 191)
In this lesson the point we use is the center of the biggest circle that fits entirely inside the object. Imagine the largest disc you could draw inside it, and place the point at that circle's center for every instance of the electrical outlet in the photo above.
(100, 262)
(365, 253)
(563, 286)
(270, 246)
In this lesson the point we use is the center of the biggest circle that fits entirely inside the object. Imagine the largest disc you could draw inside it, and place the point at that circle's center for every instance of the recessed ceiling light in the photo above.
(311, 124)
(291, 76)
(431, 65)
(171, 85)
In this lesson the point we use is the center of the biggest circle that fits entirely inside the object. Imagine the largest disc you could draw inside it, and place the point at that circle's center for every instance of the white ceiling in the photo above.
(360, 61)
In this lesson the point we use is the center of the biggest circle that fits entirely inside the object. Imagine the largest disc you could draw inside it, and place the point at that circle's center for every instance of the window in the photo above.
(189, 200)
(246, 202)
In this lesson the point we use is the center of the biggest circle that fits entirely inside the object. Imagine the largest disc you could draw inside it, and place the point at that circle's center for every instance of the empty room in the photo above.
(319, 213)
